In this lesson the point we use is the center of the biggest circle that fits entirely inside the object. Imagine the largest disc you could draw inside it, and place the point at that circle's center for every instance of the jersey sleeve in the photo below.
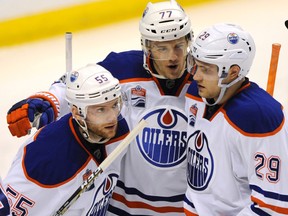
(58, 89)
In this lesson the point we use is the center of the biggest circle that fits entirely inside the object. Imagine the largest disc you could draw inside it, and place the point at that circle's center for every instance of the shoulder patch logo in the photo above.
(85, 177)
(138, 96)
(192, 115)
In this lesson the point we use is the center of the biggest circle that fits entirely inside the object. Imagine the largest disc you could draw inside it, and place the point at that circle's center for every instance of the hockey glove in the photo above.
(36, 111)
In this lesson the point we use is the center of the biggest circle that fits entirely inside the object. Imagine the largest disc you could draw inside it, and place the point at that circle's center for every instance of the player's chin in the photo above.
(202, 93)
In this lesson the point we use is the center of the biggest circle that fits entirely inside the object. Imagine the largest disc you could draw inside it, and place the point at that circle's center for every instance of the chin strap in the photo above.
(222, 92)
(148, 67)
(224, 87)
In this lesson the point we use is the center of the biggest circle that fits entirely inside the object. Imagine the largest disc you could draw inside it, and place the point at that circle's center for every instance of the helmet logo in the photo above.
(73, 76)
(233, 38)
(168, 30)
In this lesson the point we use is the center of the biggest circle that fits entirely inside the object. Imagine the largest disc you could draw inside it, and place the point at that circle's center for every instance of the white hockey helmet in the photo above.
(91, 85)
(163, 21)
(225, 45)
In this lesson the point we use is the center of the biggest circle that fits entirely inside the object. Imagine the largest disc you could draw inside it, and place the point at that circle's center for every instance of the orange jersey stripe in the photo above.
(134, 204)
(277, 209)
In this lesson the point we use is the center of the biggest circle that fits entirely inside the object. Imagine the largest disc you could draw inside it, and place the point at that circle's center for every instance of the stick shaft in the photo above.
(68, 48)
(126, 141)
(273, 68)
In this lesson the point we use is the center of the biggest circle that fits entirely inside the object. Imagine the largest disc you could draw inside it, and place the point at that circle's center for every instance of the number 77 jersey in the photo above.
(237, 155)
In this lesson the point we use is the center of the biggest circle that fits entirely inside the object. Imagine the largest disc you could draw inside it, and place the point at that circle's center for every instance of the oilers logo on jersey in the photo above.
(104, 191)
(200, 161)
(161, 144)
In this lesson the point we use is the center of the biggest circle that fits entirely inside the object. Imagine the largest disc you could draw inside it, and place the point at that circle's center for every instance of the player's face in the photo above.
(206, 76)
(169, 57)
(102, 120)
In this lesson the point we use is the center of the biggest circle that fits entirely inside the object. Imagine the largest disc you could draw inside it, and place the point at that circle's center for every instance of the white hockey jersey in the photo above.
(53, 163)
(153, 172)
(237, 155)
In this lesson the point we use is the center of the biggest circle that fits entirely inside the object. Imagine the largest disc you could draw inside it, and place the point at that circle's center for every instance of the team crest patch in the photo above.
(163, 142)
(85, 177)
(192, 115)
(200, 161)
(138, 97)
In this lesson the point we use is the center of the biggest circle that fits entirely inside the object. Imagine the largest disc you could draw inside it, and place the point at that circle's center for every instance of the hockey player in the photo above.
(237, 133)
(153, 173)
(54, 162)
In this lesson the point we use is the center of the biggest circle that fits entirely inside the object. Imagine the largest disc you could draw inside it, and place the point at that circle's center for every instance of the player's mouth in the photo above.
(200, 87)
(111, 127)
(174, 66)
(174, 70)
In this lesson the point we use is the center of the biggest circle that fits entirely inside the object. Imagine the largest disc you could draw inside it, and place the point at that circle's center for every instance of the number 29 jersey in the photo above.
(237, 157)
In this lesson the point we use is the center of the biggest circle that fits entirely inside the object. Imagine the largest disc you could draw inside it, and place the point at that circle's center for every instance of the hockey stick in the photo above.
(273, 68)
(68, 47)
(68, 54)
(110, 158)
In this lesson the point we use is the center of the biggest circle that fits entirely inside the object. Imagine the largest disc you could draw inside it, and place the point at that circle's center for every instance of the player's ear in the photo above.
(75, 113)
(234, 72)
